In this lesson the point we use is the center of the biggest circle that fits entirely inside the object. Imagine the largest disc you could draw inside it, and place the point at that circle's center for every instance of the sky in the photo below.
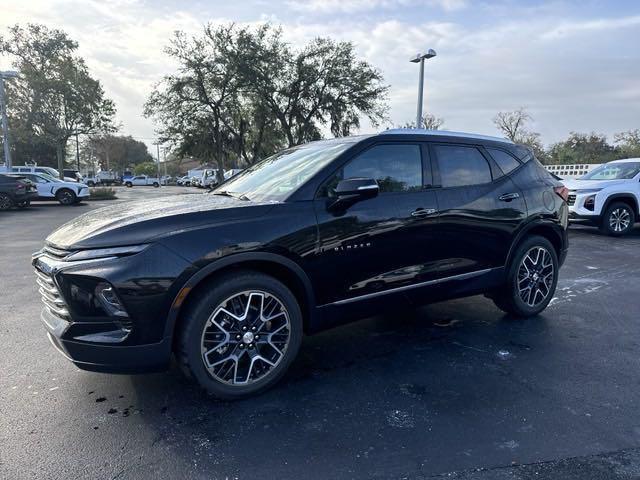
(574, 65)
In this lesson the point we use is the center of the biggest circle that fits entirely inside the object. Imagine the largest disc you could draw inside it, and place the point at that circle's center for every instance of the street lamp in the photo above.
(3, 112)
(420, 58)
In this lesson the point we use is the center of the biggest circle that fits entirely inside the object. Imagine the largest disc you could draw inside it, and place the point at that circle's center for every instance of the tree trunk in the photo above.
(61, 147)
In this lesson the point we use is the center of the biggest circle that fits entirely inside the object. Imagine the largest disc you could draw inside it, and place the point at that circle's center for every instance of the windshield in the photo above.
(276, 177)
(614, 171)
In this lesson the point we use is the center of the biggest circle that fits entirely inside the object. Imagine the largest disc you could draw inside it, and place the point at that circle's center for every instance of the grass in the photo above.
(102, 193)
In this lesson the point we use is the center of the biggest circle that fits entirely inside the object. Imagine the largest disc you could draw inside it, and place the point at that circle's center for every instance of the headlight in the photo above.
(106, 252)
(588, 190)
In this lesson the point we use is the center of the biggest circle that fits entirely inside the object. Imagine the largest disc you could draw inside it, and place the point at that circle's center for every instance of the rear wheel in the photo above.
(65, 196)
(238, 338)
(24, 204)
(5, 202)
(156, 184)
(91, 183)
(618, 219)
(128, 184)
(531, 279)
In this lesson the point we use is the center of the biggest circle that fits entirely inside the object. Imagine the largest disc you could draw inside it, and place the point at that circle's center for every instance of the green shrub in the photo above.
(102, 193)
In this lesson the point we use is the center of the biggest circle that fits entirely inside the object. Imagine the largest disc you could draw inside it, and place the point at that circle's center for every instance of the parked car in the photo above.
(209, 179)
(184, 181)
(50, 188)
(103, 177)
(195, 182)
(16, 192)
(73, 174)
(142, 180)
(317, 235)
(36, 169)
(607, 197)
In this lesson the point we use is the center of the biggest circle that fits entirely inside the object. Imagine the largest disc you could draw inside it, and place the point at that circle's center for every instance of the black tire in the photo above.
(510, 299)
(195, 322)
(24, 204)
(156, 184)
(618, 219)
(128, 184)
(66, 196)
(91, 184)
(6, 203)
(187, 184)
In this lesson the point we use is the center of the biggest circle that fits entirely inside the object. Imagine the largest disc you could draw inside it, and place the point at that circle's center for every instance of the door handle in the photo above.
(423, 212)
(507, 197)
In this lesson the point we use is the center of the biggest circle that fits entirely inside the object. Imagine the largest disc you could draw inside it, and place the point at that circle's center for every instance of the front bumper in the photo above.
(85, 333)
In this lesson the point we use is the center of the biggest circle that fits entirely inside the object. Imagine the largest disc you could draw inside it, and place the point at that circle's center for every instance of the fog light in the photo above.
(110, 301)
(590, 203)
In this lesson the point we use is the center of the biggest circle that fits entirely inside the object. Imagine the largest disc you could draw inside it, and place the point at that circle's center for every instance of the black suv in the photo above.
(314, 236)
(16, 192)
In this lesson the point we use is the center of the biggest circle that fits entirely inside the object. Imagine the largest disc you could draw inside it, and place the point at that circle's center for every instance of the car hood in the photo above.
(588, 184)
(130, 223)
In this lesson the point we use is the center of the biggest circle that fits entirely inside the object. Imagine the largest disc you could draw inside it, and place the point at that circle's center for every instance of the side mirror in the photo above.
(353, 190)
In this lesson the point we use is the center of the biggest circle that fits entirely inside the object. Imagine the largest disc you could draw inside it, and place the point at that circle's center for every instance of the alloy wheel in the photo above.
(619, 220)
(65, 197)
(5, 202)
(245, 338)
(535, 276)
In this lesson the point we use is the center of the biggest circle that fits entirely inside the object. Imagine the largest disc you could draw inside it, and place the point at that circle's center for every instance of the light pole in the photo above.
(5, 122)
(420, 58)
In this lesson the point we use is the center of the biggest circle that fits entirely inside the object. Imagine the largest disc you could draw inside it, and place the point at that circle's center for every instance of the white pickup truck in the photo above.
(142, 180)
(607, 197)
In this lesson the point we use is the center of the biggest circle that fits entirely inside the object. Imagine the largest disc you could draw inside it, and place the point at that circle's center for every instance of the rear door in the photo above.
(480, 208)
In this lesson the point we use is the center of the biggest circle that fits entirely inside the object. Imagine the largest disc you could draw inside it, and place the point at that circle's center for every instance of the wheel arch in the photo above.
(628, 198)
(280, 267)
(550, 231)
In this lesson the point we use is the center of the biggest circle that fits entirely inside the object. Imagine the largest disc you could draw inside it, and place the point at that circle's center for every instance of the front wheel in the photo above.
(239, 337)
(128, 184)
(66, 197)
(618, 219)
(5, 202)
(531, 279)
(156, 184)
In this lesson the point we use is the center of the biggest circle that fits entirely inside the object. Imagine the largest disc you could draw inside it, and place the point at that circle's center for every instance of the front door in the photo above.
(380, 245)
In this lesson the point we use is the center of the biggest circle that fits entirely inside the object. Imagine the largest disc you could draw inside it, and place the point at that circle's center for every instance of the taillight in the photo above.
(562, 191)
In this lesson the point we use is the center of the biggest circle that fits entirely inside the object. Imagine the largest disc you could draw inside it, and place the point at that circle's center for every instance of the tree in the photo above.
(146, 168)
(55, 97)
(583, 148)
(429, 122)
(628, 143)
(117, 152)
(241, 94)
(514, 126)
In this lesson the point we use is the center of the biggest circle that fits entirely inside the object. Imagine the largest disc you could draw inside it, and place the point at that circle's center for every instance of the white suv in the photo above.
(607, 197)
(51, 188)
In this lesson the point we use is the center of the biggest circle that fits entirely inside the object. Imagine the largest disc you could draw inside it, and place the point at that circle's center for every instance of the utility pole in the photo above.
(5, 122)
(420, 58)
(158, 149)
(77, 153)
(164, 160)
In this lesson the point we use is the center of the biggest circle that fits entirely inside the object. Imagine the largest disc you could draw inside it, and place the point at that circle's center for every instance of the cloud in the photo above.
(490, 58)
(351, 6)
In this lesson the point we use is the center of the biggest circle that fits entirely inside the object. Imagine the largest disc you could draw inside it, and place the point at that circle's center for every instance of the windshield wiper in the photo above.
(226, 193)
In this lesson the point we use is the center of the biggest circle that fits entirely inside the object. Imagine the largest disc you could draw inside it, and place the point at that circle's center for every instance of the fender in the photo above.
(534, 223)
(236, 259)
(619, 196)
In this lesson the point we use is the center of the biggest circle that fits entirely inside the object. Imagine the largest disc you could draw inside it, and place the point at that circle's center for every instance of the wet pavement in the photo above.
(455, 389)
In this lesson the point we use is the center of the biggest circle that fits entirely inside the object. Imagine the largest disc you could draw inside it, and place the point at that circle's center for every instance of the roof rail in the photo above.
(442, 133)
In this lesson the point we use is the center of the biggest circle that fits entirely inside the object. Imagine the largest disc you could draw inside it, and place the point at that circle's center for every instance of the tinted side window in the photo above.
(505, 161)
(396, 168)
(461, 165)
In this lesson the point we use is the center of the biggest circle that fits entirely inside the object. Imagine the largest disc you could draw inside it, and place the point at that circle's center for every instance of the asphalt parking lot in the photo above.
(454, 390)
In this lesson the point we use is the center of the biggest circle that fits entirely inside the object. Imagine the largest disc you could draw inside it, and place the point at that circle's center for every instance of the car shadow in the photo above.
(361, 386)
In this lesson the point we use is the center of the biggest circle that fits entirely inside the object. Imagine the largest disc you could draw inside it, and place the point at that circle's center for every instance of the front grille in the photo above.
(51, 296)
(571, 200)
